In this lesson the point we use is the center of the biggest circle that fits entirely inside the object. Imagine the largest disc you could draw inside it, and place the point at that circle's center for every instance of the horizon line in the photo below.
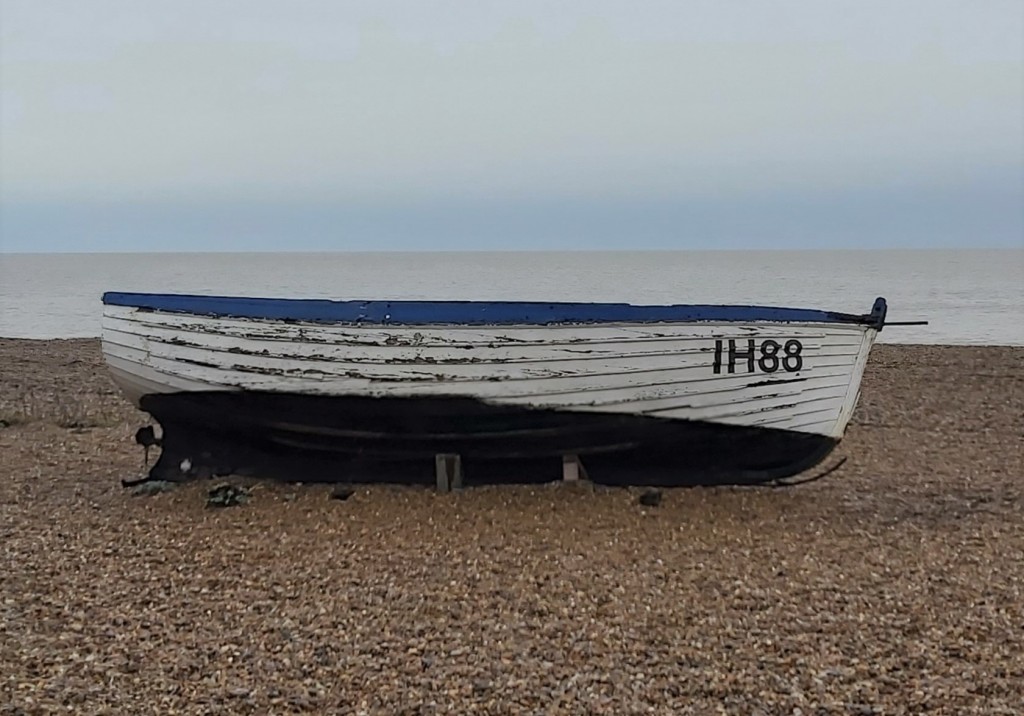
(810, 249)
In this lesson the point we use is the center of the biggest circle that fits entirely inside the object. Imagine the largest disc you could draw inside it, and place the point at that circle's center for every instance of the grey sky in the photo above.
(342, 125)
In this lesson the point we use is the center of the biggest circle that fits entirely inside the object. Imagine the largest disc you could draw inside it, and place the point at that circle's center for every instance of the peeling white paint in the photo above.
(662, 370)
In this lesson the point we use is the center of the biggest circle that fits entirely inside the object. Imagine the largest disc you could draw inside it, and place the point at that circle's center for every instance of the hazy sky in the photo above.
(309, 124)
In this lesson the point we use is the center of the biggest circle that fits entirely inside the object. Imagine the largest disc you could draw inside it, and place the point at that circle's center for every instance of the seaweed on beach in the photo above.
(227, 495)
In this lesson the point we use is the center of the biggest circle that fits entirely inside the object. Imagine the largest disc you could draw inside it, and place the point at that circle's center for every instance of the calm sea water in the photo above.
(969, 297)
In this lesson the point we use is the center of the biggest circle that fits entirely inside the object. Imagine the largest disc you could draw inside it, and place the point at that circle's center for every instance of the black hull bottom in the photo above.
(302, 438)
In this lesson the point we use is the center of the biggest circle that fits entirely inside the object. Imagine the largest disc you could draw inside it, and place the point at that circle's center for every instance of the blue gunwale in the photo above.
(474, 312)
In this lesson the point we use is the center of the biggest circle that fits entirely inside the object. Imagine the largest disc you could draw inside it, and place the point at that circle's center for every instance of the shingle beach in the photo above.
(895, 585)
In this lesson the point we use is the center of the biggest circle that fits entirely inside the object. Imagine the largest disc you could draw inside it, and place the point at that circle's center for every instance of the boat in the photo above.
(313, 390)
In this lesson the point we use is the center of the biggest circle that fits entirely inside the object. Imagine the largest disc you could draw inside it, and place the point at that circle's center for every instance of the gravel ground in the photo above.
(895, 585)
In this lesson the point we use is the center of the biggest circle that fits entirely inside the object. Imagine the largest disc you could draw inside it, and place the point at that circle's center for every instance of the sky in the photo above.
(250, 125)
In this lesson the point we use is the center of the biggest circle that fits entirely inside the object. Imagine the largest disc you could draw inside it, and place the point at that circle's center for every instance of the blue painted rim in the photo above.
(473, 313)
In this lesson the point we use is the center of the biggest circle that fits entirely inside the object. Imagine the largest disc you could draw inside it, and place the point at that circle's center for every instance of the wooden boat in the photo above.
(315, 390)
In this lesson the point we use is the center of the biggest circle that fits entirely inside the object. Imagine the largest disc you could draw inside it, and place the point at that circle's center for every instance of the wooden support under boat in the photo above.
(572, 468)
(448, 470)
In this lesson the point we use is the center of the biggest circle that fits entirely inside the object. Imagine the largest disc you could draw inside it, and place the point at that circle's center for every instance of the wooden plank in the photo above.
(570, 468)
(441, 472)
(456, 472)
(448, 335)
(448, 471)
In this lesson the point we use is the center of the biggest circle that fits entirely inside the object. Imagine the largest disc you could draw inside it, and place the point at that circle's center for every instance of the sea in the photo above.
(968, 297)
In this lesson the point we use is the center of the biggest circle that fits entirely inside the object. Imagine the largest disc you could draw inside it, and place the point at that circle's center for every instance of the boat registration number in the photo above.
(751, 356)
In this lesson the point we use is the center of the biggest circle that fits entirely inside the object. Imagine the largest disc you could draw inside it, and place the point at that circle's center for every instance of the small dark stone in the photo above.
(342, 493)
(861, 709)
(651, 498)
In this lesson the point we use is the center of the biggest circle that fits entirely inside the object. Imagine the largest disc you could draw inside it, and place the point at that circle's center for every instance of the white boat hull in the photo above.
(662, 370)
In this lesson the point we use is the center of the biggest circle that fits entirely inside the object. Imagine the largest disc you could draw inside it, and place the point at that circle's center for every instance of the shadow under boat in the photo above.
(354, 439)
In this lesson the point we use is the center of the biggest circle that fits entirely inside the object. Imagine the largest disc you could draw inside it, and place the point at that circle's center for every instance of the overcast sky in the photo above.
(257, 125)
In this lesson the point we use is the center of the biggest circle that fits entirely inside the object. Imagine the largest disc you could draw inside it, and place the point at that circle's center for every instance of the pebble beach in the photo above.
(895, 585)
